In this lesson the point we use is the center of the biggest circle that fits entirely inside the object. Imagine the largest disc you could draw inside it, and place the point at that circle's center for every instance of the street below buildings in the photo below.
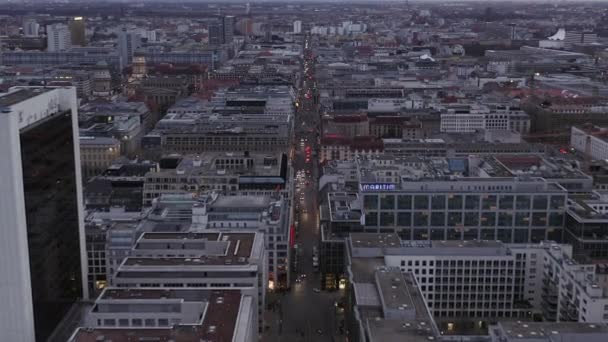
(305, 313)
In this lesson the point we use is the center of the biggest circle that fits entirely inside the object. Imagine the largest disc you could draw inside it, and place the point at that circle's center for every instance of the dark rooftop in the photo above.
(218, 325)
(20, 95)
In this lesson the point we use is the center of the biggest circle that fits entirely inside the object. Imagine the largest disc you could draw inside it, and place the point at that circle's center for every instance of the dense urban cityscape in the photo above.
(304, 171)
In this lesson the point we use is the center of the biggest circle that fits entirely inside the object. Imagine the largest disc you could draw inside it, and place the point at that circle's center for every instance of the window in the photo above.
(404, 219)
(488, 219)
(557, 202)
(522, 219)
(455, 202)
(556, 219)
(421, 219)
(523, 202)
(387, 202)
(454, 218)
(539, 219)
(421, 202)
(471, 202)
(438, 202)
(437, 218)
(370, 202)
(371, 219)
(404, 202)
(505, 219)
(488, 202)
(540, 202)
(506, 202)
(387, 219)
(471, 219)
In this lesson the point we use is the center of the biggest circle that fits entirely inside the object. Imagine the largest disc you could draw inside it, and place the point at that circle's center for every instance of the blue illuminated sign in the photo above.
(378, 187)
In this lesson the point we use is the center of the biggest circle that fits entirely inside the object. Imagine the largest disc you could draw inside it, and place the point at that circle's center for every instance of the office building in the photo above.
(469, 288)
(42, 216)
(77, 55)
(455, 199)
(30, 27)
(221, 31)
(586, 226)
(297, 26)
(77, 27)
(97, 154)
(461, 118)
(58, 38)
(144, 314)
(591, 141)
(234, 174)
(212, 259)
(228, 23)
(128, 42)
(258, 213)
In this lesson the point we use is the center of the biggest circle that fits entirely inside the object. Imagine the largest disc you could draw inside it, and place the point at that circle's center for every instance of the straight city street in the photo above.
(305, 313)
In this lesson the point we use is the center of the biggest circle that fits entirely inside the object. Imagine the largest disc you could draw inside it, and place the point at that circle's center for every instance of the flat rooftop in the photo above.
(238, 250)
(344, 207)
(553, 330)
(369, 240)
(21, 95)
(241, 202)
(218, 325)
(222, 164)
(139, 294)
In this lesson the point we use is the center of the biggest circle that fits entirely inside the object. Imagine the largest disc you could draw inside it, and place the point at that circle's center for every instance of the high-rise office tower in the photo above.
(128, 42)
(297, 26)
(228, 26)
(221, 31)
(216, 33)
(58, 37)
(30, 27)
(42, 229)
(78, 31)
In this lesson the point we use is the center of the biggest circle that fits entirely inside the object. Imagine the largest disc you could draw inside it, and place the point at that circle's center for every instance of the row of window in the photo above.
(457, 202)
(466, 219)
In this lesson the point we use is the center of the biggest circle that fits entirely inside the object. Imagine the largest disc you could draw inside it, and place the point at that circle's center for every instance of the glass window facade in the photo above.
(49, 182)
(504, 216)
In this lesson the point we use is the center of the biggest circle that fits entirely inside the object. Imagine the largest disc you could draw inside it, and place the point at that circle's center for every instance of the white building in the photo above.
(58, 38)
(213, 260)
(30, 269)
(160, 314)
(128, 42)
(30, 27)
(592, 142)
(489, 279)
(255, 213)
(463, 118)
(572, 291)
(297, 26)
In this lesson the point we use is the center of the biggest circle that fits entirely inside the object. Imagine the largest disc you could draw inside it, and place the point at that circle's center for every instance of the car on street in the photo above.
(316, 290)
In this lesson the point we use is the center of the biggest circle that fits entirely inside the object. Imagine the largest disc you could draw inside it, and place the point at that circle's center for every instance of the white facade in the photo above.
(474, 279)
(572, 291)
(58, 38)
(16, 307)
(30, 28)
(592, 145)
(481, 117)
(128, 42)
(297, 26)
